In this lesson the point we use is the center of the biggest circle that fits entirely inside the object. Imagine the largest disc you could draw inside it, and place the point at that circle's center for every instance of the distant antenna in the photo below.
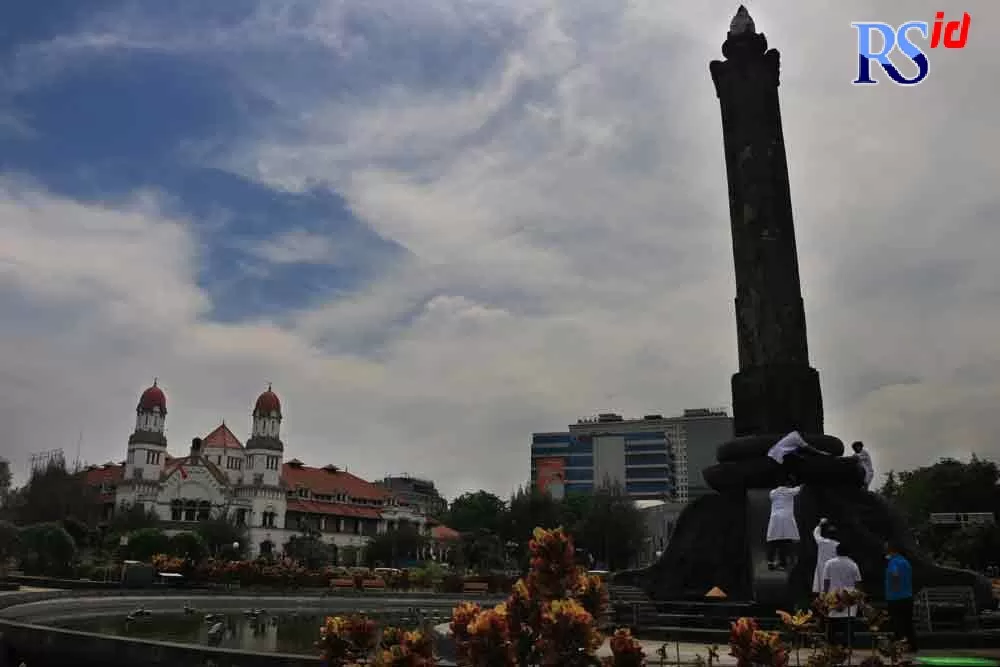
(79, 442)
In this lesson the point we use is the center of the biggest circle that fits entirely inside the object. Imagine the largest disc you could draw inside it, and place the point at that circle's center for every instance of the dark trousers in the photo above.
(780, 552)
(840, 631)
(901, 621)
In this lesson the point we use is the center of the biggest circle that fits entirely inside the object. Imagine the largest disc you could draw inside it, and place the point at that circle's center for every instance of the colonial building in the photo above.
(251, 481)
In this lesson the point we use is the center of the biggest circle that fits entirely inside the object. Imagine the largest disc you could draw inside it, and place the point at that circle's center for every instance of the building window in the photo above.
(176, 510)
(241, 517)
(233, 463)
(250, 462)
(542, 452)
(204, 510)
(645, 459)
(303, 493)
(190, 511)
(581, 461)
(576, 474)
(645, 447)
(648, 487)
(131, 456)
(579, 487)
(272, 462)
(152, 458)
(268, 519)
(550, 439)
(647, 473)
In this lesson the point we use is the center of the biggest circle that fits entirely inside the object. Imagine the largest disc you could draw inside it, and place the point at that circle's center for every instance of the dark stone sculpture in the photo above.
(719, 540)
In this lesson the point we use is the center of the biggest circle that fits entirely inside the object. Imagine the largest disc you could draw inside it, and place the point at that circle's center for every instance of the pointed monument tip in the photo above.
(742, 22)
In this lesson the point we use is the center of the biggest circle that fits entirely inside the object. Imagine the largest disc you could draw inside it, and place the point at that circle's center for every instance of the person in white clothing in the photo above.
(864, 460)
(792, 445)
(826, 549)
(782, 529)
(841, 573)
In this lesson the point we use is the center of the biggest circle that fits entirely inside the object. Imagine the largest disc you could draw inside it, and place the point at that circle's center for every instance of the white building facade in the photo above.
(251, 482)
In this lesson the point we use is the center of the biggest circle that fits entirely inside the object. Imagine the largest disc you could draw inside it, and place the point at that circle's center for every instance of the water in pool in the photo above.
(274, 633)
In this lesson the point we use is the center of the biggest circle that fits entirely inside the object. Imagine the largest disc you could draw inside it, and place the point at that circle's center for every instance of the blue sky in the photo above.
(440, 226)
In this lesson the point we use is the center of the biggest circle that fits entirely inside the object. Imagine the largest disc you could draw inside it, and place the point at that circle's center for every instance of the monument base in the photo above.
(719, 541)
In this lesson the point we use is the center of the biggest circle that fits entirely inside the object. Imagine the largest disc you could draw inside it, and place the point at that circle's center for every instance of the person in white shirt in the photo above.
(782, 529)
(864, 460)
(841, 573)
(792, 445)
(826, 549)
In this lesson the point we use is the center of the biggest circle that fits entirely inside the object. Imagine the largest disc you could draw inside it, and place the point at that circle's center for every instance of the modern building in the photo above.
(252, 482)
(419, 494)
(650, 457)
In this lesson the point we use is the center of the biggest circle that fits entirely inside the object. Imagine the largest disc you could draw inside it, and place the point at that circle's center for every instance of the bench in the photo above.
(342, 583)
(373, 584)
(947, 605)
(475, 588)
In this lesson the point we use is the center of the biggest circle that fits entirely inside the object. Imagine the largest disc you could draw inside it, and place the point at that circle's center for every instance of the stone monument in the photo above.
(719, 540)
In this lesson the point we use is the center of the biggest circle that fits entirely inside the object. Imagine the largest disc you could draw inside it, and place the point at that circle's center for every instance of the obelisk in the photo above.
(775, 390)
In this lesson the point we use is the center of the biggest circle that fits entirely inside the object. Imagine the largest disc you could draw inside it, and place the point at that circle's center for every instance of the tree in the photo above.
(395, 546)
(189, 546)
(53, 494)
(478, 510)
(310, 549)
(131, 518)
(9, 542)
(220, 533)
(5, 478)
(613, 528)
(145, 543)
(947, 486)
(46, 548)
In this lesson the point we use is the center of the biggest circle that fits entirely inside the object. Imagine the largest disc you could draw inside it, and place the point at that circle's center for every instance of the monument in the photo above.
(719, 540)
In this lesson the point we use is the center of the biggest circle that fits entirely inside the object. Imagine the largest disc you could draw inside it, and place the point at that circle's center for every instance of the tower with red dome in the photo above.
(147, 446)
(264, 448)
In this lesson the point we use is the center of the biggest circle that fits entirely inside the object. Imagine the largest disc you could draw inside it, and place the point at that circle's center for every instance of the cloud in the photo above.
(560, 194)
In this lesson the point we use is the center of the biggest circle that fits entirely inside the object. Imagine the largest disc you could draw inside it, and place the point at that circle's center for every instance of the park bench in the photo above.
(475, 588)
(953, 606)
(373, 584)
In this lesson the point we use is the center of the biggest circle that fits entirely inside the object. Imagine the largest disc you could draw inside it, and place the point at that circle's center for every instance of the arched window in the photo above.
(204, 510)
(190, 510)
(176, 510)
(267, 548)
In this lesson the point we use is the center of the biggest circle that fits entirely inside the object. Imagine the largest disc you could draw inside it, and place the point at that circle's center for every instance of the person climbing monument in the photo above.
(826, 549)
(899, 595)
(782, 529)
(791, 449)
(864, 460)
(841, 573)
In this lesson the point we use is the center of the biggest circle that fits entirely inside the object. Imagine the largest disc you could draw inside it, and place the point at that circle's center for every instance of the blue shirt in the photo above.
(898, 569)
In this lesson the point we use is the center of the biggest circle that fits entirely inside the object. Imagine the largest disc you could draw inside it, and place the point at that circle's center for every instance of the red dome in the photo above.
(267, 403)
(153, 398)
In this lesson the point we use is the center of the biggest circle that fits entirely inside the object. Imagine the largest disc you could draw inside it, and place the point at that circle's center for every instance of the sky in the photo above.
(439, 226)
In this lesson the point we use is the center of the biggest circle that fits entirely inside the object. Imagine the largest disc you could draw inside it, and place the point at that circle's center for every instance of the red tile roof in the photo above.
(333, 509)
(330, 483)
(445, 534)
(106, 474)
(221, 437)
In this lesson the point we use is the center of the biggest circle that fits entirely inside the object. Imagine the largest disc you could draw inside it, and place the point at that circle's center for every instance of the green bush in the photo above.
(189, 546)
(47, 549)
(145, 543)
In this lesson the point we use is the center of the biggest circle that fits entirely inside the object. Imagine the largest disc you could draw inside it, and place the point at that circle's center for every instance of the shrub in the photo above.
(47, 549)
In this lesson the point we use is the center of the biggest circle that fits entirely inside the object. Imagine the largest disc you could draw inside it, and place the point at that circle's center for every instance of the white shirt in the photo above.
(782, 525)
(842, 573)
(826, 550)
(865, 459)
(786, 445)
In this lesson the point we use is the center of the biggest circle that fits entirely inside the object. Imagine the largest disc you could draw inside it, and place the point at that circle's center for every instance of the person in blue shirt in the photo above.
(899, 595)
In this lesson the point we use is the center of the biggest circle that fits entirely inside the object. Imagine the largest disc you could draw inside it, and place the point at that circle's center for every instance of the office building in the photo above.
(649, 457)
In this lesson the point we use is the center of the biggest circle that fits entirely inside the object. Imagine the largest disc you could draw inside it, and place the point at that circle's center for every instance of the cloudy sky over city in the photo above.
(439, 225)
